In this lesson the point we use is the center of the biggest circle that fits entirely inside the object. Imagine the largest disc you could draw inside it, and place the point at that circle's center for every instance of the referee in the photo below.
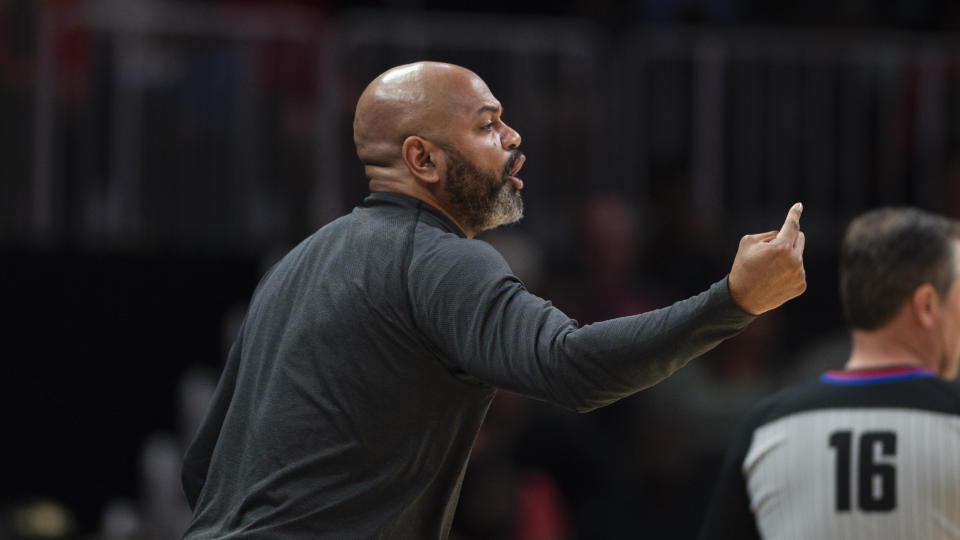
(871, 452)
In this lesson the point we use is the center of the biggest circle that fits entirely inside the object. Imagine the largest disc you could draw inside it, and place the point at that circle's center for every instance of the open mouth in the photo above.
(517, 160)
(513, 167)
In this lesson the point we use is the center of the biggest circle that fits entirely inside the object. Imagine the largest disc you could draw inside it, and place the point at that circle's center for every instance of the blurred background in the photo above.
(157, 156)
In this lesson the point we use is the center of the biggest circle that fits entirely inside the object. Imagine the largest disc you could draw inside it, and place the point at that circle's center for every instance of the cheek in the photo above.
(953, 324)
(952, 337)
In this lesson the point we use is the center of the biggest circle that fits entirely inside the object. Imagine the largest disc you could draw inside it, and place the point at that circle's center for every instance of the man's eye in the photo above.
(488, 126)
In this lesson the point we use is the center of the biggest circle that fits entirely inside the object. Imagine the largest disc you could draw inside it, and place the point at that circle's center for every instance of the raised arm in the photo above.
(487, 325)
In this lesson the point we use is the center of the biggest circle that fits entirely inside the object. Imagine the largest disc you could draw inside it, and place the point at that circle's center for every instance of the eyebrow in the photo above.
(488, 108)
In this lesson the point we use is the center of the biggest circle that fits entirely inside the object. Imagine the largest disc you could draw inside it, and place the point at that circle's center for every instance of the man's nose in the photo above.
(510, 138)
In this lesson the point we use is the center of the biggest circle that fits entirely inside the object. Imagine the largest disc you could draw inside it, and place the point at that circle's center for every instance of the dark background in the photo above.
(157, 157)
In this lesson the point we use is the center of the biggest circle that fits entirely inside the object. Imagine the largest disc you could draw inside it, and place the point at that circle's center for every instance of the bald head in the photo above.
(413, 99)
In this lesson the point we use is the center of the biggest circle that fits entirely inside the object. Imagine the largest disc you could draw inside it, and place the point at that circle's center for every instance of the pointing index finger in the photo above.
(791, 226)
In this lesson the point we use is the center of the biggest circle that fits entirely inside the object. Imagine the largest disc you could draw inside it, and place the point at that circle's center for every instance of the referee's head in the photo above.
(900, 266)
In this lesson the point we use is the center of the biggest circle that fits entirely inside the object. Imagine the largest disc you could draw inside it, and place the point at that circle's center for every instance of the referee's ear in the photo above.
(422, 158)
(925, 303)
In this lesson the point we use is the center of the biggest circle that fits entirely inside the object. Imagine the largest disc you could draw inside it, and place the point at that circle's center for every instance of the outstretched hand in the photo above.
(768, 269)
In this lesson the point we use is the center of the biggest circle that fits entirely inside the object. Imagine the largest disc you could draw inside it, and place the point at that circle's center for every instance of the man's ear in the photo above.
(423, 158)
(925, 303)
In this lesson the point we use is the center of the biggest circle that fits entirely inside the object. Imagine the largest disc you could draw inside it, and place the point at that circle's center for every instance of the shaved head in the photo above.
(434, 132)
(413, 99)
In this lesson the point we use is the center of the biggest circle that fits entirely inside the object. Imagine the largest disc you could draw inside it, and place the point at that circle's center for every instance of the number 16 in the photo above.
(868, 471)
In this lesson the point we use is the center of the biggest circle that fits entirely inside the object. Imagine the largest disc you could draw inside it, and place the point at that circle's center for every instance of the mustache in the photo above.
(515, 155)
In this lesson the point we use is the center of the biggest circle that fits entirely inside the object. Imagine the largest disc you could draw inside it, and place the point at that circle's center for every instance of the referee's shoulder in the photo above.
(797, 397)
(945, 393)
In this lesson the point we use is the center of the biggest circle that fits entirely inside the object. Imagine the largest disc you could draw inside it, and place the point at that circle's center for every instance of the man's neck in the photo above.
(883, 349)
(423, 195)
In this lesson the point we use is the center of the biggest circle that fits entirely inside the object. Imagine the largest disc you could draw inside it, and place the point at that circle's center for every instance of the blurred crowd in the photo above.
(642, 468)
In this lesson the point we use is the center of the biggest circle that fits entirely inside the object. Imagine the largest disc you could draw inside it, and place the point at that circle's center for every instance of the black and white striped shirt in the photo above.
(856, 455)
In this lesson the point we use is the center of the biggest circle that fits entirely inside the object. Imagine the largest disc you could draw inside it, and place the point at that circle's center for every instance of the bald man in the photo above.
(370, 353)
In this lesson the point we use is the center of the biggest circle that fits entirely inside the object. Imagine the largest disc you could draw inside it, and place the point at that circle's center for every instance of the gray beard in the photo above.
(481, 201)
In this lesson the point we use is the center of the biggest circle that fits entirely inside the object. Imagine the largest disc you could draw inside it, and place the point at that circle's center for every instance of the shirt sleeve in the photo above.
(484, 322)
(729, 516)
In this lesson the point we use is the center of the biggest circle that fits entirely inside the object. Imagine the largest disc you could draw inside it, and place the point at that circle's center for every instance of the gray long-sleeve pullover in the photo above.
(366, 363)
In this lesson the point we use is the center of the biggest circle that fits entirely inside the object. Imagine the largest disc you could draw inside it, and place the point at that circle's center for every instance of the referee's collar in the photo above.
(875, 376)
(429, 213)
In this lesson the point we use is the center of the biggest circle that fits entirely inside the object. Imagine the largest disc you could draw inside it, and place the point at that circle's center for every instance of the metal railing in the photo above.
(208, 126)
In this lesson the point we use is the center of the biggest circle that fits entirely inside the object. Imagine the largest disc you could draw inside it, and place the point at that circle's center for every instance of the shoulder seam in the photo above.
(408, 260)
